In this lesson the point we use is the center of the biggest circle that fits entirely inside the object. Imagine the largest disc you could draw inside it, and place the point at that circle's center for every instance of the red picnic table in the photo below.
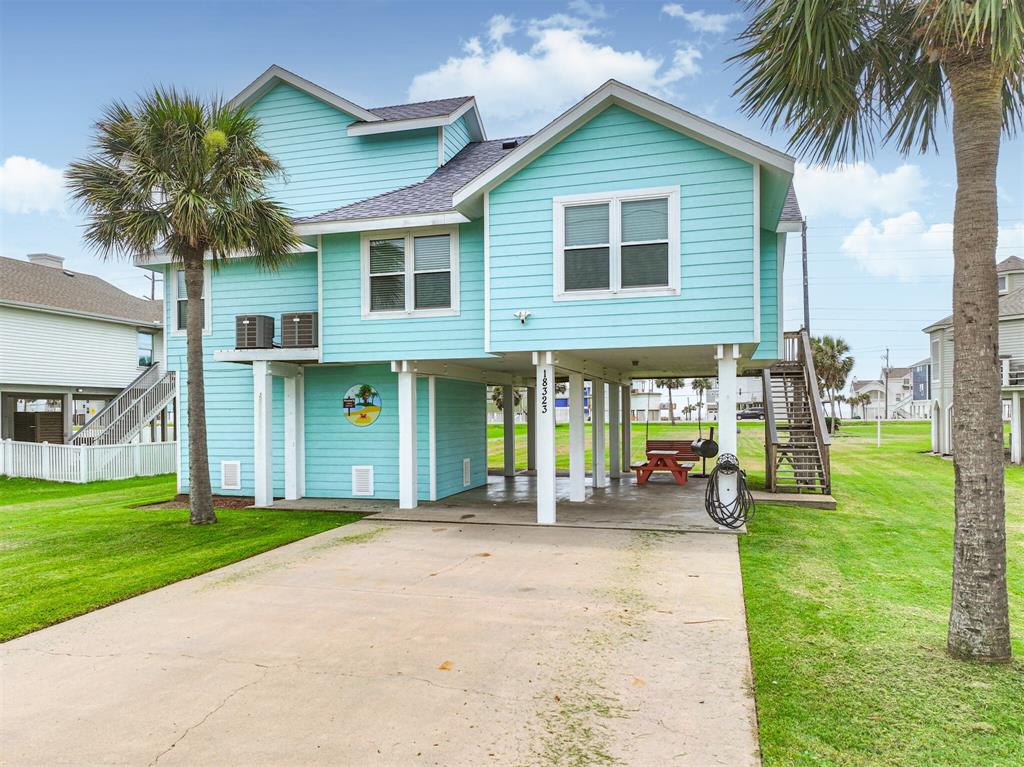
(661, 460)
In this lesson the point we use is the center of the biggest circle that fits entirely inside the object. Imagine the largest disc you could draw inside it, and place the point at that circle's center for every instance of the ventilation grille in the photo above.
(466, 472)
(362, 480)
(254, 331)
(230, 475)
(299, 330)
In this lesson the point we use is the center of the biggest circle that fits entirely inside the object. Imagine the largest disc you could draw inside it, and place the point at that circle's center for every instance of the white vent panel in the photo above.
(362, 480)
(230, 475)
(466, 472)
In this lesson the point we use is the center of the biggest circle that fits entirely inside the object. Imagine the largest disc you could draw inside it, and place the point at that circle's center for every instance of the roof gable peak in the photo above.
(275, 75)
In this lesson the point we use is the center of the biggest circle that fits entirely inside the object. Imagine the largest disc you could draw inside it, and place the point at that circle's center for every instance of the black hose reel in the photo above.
(731, 513)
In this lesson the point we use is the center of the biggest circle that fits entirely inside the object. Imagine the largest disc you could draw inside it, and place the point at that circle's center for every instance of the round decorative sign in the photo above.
(361, 404)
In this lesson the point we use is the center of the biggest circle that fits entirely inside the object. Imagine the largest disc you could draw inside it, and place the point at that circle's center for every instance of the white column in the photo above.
(1016, 437)
(627, 429)
(545, 401)
(531, 430)
(263, 404)
(407, 465)
(597, 471)
(727, 354)
(577, 441)
(508, 411)
(68, 411)
(294, 437)
(614, 461)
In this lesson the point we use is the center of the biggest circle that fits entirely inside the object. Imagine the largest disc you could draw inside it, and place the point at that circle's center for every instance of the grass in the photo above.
(847, 610)
(68, 549)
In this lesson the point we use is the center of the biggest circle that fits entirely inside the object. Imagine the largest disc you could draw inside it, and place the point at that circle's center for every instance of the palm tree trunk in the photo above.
(671, 408)
(979, 627)
(199, 494)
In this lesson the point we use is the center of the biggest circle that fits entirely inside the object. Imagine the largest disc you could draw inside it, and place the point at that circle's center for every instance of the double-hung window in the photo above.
(144, 346)
(410, 274)
(617, 244)
(180, 298)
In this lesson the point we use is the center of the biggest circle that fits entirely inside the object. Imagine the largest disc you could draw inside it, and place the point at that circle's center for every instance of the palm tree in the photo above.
(844, 75)
(833, 364)
(498, 397)
(187, 177)
(857, 400)
(700, 385)
(670, 384)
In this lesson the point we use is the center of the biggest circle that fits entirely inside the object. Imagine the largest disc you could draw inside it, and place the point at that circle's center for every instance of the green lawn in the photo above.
(847, 611)
(68, 549)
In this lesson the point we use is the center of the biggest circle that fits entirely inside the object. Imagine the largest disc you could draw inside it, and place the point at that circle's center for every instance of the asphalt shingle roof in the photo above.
(1011, 264)
(791, 208)
(432, 195)
(54, 288)
(1010, 305)
(434, 108)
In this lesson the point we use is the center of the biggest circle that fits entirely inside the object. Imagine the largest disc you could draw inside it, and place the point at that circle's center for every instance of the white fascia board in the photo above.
(376, 224)
(788, 226)
(461, 372)
(83, 315)
(161, 259)
(568, 362)
(412, 123)
(311, 354)
(275, 74)
(614, 92)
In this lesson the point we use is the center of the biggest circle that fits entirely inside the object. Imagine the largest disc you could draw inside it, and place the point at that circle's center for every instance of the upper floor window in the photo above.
(179, 302)
(144, 344)
(410, 274)
(617, 244)
(1003, 282)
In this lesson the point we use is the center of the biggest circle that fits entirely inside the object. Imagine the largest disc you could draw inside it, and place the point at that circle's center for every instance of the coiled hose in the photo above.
(734, 513)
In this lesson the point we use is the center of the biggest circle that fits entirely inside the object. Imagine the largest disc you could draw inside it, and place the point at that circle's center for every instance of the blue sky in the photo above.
(879, 231)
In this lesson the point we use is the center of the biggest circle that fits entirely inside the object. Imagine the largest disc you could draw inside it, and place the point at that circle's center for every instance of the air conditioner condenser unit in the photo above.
(300, 330)
(254, 331)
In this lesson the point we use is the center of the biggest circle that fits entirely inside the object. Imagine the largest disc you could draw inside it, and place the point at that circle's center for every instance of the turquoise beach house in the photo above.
(626, 239)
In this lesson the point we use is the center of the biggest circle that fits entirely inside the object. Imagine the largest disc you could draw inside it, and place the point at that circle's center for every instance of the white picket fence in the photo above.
(86, 463)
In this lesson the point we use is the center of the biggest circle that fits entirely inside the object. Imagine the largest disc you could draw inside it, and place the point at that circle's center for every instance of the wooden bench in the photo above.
(683, 448)
(661, 460)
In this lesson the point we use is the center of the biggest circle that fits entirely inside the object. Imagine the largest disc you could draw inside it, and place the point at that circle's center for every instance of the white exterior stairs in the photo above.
(130, 411)
(796, 435)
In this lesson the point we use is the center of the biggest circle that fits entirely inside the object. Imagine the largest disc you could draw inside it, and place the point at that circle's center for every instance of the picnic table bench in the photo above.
(662, 460)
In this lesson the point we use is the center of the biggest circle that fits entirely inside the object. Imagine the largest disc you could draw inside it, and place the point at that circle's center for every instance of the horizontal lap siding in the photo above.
(238, 287)
(620, 150)
(768, 349)
(324, 167)
(456, 136)
(461, 418)
(334, 446)
(349, 338)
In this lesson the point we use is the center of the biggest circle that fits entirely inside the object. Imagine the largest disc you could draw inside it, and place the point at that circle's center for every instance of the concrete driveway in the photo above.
(385, 643)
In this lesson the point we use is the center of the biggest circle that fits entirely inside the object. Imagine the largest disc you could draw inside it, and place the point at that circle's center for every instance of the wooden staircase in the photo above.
(127, 414)
(796, 436)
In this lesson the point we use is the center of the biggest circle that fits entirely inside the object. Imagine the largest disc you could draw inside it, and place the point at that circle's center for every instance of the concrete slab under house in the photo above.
(627, 239)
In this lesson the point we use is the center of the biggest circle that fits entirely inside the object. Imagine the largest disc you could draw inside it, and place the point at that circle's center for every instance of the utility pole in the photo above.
(151, 276)
(885, 384)
(807, 305)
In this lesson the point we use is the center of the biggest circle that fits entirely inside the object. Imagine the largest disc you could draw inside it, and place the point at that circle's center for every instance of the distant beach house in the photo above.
(626, 239)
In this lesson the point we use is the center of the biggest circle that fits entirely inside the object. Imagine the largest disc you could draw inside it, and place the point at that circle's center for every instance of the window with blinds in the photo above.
(617, 244)
(181, 301)
(410, 273)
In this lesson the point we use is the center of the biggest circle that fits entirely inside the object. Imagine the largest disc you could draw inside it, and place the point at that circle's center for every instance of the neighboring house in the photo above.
(626, 239)
(898, 393)
(749, 393)
(1011, 354)
(69, 343)
(875, 408)
(646, 401)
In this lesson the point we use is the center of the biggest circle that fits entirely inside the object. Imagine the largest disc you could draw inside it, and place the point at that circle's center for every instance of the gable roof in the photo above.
(61, 290)
(432, 195)
(421, 114)
(857, 386)
(1011, 264)
(614, 92)
(1010, 305)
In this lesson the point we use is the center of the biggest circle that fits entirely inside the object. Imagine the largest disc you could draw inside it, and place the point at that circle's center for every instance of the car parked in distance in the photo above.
(751, 414)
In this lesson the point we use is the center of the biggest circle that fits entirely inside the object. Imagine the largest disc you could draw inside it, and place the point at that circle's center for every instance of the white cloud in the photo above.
(857, 190)
(520, 86)
(701, 20)
(590, 10)
(906, 247)
(29, 186)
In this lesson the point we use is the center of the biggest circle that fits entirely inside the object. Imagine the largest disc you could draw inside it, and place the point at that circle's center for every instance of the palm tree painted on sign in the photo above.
(847, 75)
(187, 177)
(670, 384)
(833, 364)
(365, 394)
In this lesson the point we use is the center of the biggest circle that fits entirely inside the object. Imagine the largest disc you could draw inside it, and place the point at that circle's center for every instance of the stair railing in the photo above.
(823, 438)
(123, 402)
(139, 413)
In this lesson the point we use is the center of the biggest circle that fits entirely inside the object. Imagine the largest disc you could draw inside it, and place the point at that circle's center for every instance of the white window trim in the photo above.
(615, 200)
(172, 292)
(410, 285)
(1003, 284)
